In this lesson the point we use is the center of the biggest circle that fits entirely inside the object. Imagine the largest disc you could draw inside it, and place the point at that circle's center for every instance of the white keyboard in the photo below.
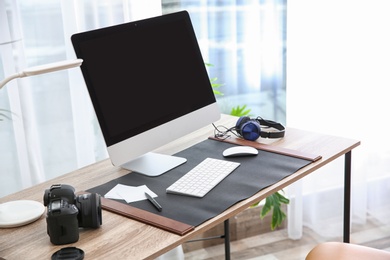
(203, 177)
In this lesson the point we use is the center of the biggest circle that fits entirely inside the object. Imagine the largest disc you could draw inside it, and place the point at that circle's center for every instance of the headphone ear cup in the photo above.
(240, 122)
(250, 130)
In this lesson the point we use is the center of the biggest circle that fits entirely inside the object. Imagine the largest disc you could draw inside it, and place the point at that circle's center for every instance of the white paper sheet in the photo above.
(129, 193)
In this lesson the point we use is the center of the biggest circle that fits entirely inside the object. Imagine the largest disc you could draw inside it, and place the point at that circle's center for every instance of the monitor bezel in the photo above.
(122, 151)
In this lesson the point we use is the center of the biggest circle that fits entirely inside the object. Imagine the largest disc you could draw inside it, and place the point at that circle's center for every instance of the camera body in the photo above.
(66, 212)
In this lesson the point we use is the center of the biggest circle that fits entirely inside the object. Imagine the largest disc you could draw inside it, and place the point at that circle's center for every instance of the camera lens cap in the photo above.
(68, 253)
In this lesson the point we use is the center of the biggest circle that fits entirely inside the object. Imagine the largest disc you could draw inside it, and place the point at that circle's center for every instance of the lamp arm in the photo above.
(61, 65)
(55, 66)
(9, 78)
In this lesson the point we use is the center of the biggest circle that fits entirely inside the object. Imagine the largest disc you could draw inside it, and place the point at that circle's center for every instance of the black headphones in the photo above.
(250, 129)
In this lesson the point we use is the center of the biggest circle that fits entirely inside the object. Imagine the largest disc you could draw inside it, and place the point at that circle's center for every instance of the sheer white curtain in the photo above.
(338, 81)
(245, 42)
(53, 129)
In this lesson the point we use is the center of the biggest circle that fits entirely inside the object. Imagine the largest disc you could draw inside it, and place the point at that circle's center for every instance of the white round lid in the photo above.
(20, 212)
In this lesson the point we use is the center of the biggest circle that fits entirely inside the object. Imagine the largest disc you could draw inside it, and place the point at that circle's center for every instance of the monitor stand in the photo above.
(154, 164)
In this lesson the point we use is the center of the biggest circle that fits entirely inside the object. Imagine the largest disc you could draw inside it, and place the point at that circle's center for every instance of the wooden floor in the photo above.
(275, 245)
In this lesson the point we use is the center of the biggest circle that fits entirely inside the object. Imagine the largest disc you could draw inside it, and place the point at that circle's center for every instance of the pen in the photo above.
(153, 201)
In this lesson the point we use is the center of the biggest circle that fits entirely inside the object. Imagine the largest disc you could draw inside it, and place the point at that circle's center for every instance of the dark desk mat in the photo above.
(254, 174)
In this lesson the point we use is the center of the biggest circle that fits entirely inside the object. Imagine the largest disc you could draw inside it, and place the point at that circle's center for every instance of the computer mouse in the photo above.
(236, 151)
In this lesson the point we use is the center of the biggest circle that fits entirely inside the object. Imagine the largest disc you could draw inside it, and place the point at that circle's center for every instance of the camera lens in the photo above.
(90, 211)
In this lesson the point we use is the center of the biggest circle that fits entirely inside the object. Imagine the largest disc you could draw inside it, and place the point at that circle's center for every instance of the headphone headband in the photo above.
(269, 123)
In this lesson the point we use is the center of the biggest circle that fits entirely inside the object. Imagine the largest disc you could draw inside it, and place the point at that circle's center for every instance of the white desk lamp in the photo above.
(61, 65)
(21, 212)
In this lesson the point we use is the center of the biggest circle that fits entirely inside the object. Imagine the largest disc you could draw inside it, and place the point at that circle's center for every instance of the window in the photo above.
(245, 42)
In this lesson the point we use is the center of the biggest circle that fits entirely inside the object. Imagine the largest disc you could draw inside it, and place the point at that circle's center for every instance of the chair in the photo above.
(345, 251)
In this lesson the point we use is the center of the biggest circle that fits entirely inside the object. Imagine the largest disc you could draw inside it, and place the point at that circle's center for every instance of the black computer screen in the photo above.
(142, 74)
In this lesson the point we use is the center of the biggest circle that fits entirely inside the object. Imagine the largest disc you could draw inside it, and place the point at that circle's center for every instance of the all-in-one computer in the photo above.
(149, 86)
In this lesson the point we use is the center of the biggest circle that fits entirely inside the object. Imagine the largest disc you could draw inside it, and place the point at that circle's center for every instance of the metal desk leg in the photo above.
(227, 239)
(225, 236)
(347, 196)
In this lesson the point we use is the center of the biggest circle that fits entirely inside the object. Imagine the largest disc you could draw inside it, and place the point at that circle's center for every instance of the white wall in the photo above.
(338, 82)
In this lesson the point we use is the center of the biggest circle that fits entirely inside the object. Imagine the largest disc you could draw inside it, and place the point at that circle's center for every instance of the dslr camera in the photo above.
(66, 212)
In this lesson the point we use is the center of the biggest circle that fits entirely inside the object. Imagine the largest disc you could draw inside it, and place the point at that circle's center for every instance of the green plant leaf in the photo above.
(213, 82)
(215, 86)
(282, 198)
(216, 92)
(273, 202)
(267, 207)
(277, 217)
(240, 111)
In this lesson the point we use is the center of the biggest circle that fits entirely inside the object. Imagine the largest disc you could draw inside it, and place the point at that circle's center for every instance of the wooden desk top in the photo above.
(123, 238)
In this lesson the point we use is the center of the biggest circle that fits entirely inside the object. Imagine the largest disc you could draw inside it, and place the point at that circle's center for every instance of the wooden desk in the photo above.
(123, 238)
